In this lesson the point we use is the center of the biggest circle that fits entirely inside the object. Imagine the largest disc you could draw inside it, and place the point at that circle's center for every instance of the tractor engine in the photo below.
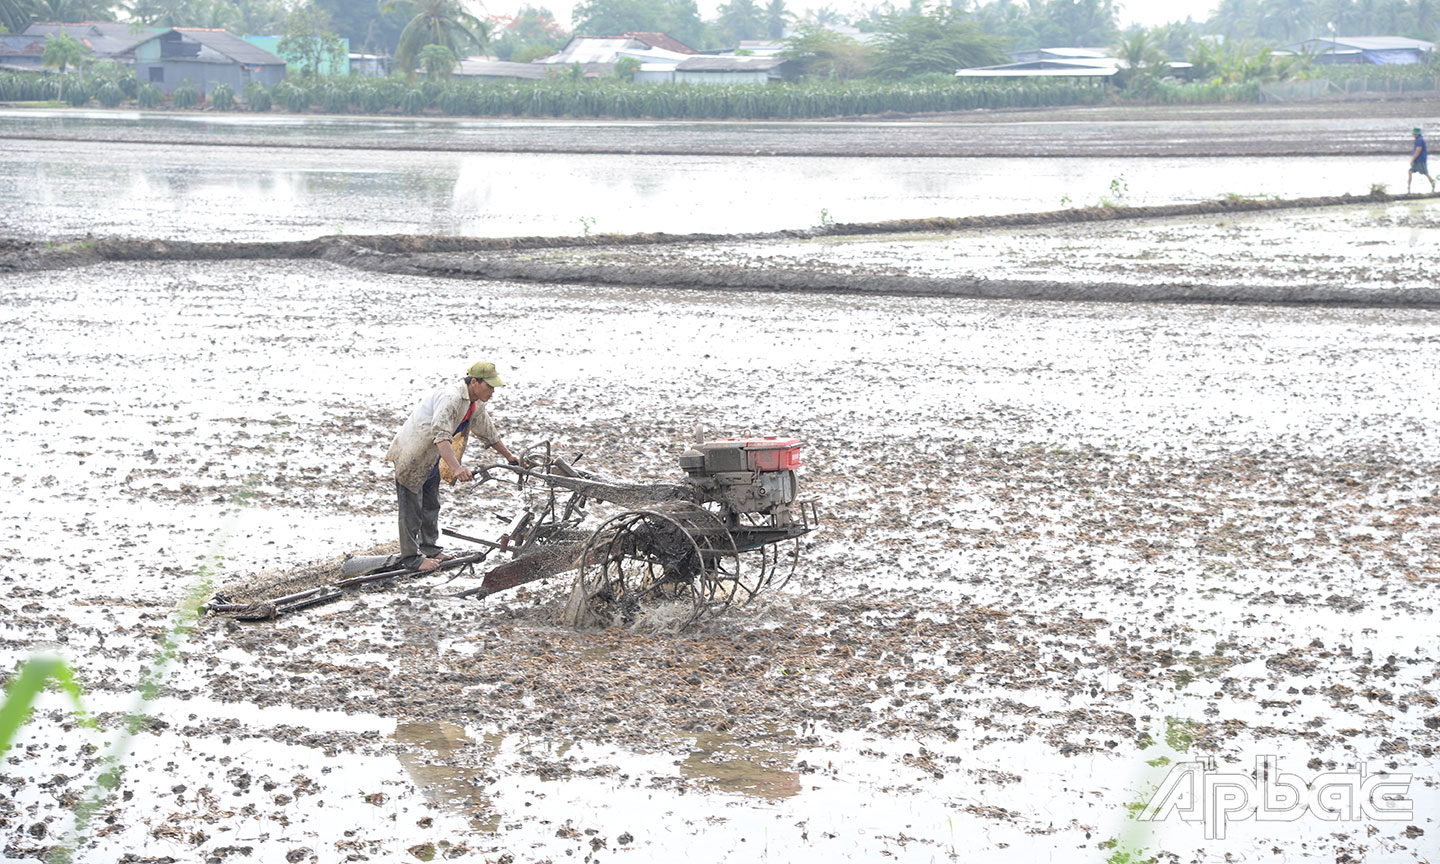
(745, 475)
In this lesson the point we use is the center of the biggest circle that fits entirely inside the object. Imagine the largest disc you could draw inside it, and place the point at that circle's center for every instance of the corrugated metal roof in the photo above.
(1094, 67)
(729, 64)
(16, 46)
(1077, 66)
(230, 45)
(608, 49)
(103, 38)
(501, 69)
(664, 42)
(1063, 72)
(1369, 43)
(1064, 53)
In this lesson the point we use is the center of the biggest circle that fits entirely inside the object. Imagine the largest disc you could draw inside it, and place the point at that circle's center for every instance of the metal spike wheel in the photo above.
(643, 561)
(772, 564)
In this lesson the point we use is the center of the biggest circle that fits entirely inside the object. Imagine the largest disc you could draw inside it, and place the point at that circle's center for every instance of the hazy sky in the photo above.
(1147, 12)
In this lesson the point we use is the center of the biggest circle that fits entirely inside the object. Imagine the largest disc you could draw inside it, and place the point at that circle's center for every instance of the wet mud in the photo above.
(470, 258)
(1060, 543)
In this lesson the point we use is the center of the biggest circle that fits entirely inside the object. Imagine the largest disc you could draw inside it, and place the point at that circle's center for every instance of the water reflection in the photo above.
(439, 773)
(730, 766)
(207, 193)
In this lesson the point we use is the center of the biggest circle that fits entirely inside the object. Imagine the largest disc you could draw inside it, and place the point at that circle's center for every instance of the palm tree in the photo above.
(256, 16)
(1365, 15)
(435, 22)
(776, 17)
(823, 16)
(214, 14)
(67, 11)
(63, 51)
(13, 17)
(1235, 18)
(1285, 18)
(1390, 16)
(1424, 13)
(741, 18)
(160, 13)
(1143, 60)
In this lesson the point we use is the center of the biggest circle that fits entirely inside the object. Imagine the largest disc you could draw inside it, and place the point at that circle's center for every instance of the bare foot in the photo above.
(443, 556)
(428, 564)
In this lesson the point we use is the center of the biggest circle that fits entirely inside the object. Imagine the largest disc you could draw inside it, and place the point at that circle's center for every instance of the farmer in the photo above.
(433, 437)
(1417, 162)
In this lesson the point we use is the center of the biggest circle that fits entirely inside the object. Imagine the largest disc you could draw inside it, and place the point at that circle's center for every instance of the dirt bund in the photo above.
(466, 258)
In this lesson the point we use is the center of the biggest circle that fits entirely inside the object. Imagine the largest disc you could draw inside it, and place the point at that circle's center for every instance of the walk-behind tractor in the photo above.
(674, 551)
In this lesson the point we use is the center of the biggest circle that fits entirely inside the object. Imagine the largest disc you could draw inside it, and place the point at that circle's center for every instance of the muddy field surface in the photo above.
(1063, 545)
(1369, 127)
(1334, 251)
(1377, 252)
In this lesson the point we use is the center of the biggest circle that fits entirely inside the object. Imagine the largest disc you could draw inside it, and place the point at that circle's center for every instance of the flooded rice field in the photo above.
(213, 190)
(1366, 128)
(1064, 548)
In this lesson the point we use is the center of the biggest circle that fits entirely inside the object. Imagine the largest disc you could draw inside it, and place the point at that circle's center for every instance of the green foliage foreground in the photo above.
(563, 97)
(613, 98)
(41, 671)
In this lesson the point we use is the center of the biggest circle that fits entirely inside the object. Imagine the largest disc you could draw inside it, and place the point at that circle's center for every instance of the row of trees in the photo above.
(1292, 20)
(902, 42)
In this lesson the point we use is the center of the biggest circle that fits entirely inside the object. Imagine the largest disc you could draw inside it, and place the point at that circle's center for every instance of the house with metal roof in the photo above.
(472, 67)
(21, 53)
(205, 58)
(1076, 67)
(107, 40)
(645, 47)
(757, 48)
(1057, 63)
(1058, 54)
(1373, 50)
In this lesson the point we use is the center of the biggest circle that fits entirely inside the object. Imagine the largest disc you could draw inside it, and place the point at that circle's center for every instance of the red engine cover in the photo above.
(766, 454)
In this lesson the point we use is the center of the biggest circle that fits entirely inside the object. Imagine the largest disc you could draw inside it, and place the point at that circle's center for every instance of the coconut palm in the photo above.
(68, 11)
(1285, 19)
(63, 51)
(741, 20)
(1425, 17)
(823, 16)
(13, 16)
(1365, 14)
(1234, 18)
(776, 17)
(1390, 16)
(160, 13)
(435, 22)
(1143, 60)
(214, 15)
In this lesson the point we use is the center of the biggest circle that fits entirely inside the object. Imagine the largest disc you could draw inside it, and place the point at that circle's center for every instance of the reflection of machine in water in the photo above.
(725, 533)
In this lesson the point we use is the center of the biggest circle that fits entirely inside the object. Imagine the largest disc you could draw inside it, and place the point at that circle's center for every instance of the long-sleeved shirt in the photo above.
(437, 418)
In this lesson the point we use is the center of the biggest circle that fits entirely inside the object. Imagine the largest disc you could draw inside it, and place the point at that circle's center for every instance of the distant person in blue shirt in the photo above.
(1417, 162)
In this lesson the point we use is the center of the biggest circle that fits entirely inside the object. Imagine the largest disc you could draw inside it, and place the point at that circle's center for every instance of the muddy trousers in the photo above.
(419, 522)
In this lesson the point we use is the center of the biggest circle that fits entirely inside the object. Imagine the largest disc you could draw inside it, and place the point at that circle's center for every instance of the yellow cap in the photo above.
(485, 372)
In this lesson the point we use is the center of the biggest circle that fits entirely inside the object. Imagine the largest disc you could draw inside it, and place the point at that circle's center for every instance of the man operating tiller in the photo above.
(428, 449)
